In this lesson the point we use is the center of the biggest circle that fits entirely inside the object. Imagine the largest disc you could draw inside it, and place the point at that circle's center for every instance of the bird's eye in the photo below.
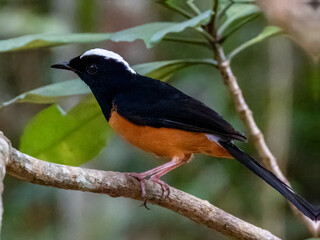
(92, 69)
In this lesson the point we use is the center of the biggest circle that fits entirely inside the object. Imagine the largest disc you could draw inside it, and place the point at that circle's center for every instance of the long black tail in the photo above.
(303, 205)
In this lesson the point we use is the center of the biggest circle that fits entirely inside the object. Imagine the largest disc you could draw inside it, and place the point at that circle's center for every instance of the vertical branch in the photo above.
(5, 149)
(257, 136)
(246, 114)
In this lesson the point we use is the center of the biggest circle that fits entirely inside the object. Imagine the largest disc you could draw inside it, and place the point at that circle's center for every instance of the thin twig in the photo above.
(214, 18)
(224, 10)
(117, 184)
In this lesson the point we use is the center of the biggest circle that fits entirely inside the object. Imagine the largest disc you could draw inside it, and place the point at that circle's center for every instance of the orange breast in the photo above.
(165, 142)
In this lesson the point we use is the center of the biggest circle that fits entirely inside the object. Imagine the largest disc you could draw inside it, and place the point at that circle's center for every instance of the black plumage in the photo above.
(157, 104)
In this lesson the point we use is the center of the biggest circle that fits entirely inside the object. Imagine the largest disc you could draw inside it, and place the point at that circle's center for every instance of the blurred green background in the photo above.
(280, 83)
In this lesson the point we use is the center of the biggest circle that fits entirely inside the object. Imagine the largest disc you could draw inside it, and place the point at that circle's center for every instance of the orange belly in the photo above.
(165, 142)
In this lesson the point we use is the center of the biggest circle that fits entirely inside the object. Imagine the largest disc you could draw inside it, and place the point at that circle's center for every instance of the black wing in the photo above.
(154, 103)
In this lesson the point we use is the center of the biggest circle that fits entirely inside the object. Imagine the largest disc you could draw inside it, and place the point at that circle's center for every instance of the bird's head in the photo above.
(98, 67)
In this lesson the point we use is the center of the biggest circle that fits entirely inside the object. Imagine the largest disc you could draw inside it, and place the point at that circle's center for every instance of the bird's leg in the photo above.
(156, 177)
(157, 172)
(142, 176)
(164, 185)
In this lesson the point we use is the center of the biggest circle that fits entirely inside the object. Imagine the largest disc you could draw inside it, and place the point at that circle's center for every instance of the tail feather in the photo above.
(300, 203)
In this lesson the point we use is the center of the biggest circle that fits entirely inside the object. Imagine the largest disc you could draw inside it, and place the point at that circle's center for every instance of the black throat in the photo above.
(106, 77)
(106, 91)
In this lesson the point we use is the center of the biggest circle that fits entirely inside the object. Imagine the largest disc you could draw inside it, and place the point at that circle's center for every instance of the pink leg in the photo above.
(142, 176)
(152, 171)
(157, 172)
(164, 185)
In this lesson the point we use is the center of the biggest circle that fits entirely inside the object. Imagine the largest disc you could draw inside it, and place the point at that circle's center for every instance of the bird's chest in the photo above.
(144, 137)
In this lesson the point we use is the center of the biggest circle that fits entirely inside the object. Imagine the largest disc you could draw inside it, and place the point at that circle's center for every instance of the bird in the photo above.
(158, 118)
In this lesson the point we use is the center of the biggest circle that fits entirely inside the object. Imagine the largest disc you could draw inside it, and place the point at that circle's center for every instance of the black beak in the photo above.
(63, 65)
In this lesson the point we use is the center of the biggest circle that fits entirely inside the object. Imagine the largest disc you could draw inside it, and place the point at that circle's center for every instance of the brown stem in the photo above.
(257, 136)
(246, 114)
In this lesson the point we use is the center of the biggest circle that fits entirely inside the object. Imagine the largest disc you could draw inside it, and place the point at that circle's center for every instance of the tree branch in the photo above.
(5, 149)
(117, 184)
(268, 159)
(246, 115)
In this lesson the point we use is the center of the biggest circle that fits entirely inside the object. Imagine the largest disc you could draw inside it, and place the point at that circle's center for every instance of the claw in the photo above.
(141, 179)
(144, 204)
(155, 175)
(164, 186)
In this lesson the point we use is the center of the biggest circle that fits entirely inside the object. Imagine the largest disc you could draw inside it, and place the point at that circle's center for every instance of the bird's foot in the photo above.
(141, 178)
(155, 175)
(164, 186)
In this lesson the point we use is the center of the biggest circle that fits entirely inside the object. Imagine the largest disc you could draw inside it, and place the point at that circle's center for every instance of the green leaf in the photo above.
(236, 16)
(186, 8)
(163, 70)
(71, 138)
(188, 40)
(49, 40)
(51, 93)
(153, 33)
(267, 32)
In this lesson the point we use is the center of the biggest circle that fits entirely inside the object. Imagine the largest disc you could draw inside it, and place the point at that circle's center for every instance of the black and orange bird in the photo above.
(158, 118)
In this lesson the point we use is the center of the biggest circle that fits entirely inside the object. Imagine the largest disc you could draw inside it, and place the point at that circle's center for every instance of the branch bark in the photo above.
(117, 184)
(5, 149)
